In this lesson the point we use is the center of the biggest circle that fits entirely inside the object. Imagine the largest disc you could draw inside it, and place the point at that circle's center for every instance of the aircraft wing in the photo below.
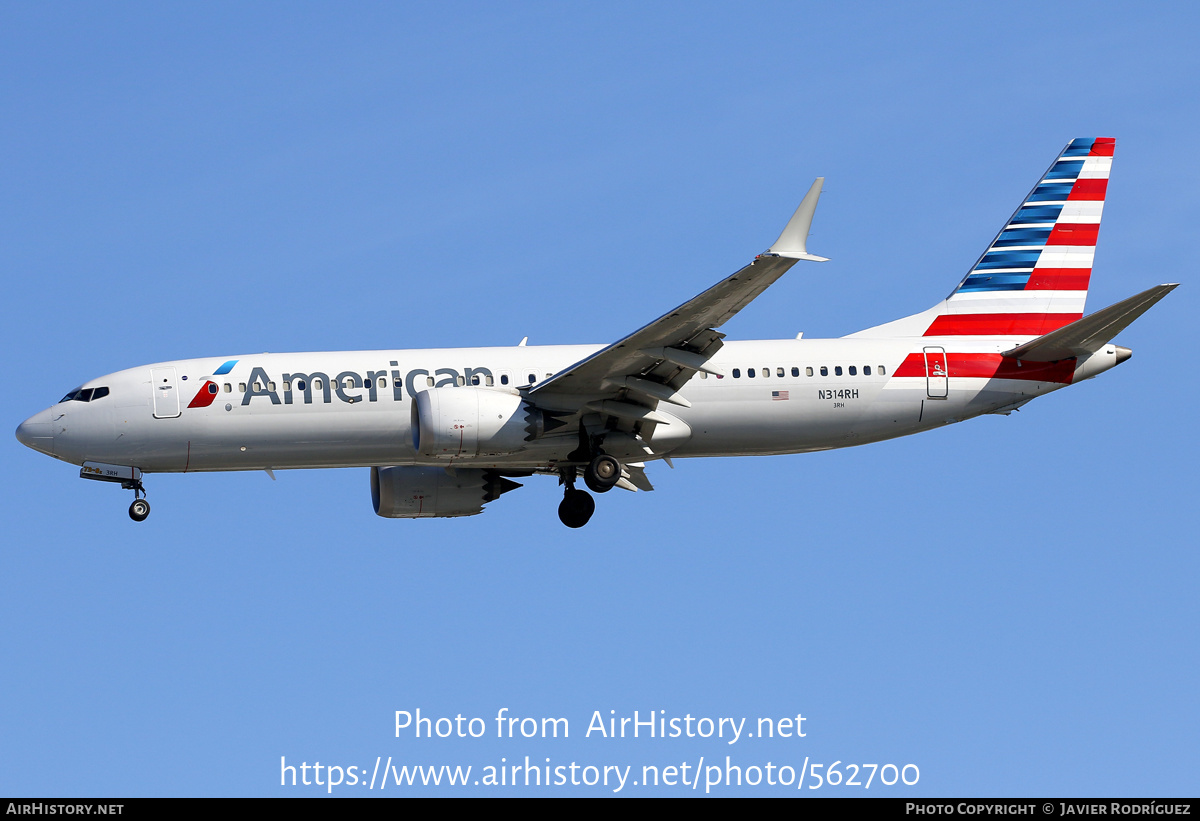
(628, 378)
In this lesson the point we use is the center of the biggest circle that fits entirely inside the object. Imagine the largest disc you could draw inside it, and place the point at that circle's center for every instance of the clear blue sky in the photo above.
(1008, 604)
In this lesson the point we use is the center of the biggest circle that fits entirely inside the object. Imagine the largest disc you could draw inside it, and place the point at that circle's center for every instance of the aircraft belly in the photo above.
(288, 438)
(781, 418)
(831, 415)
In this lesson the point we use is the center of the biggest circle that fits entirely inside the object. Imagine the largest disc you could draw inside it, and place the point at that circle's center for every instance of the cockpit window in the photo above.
(85, 395)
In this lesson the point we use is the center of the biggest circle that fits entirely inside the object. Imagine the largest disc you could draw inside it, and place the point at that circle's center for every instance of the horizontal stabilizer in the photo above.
(793, 242)
(1084, 337)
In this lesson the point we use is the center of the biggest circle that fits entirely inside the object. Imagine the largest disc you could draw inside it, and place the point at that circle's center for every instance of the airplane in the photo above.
(446, 431)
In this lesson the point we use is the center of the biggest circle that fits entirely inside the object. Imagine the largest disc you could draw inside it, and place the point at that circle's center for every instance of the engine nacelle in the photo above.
(461, 423)
(426, 492)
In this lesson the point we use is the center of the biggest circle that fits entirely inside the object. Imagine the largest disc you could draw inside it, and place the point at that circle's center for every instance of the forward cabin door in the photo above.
(166, 393)
(937, 375)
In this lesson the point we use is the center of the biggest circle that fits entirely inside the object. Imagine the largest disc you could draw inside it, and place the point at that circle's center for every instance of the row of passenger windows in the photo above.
(489, 381)
(85, 394)
(851, 370)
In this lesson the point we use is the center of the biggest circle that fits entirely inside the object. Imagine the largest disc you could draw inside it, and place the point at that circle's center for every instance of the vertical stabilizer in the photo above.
(1034, 276)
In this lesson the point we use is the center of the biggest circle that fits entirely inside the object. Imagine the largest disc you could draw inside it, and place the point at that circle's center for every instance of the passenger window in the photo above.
(703, 375)
(882, 372)
(490, 380)
(382, 382)
(750, 373)
(474, 379)
(824, 370)
(429, 381)
(737, 373)
(779, 371)
(866, 370)
(271, 386)
(366, 383)
(532, 378)
(503, 379)
(299, 384)
(212, 388)
(853, 371)
(808, 371)
(228, 388)
(317, 385)
(460, 381)
(767, 372)
(837, 370)
(241, 387)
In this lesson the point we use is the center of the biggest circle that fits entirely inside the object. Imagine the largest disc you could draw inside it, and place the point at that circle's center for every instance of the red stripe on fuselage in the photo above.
(999, 324)
(992, 366)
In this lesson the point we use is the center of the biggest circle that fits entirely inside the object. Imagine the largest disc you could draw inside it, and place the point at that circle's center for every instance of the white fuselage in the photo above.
(276, 411)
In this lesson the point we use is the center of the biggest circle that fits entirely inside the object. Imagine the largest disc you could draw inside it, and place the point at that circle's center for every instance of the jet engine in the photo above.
(426, 492)
(461, 423)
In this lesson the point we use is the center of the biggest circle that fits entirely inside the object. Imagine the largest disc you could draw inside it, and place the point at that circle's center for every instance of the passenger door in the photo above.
(165, 389)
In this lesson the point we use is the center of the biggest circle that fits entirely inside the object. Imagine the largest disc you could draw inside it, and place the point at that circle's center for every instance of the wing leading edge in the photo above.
(629, 378)
(1084, 337)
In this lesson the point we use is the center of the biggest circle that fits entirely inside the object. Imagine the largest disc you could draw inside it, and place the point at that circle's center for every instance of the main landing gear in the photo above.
(576, 508)
(601, 475)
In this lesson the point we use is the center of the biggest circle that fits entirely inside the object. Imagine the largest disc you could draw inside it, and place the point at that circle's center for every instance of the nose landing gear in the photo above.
(130, 478)
(139, 510)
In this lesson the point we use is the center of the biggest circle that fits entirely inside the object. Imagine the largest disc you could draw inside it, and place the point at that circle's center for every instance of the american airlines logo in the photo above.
(348, 386)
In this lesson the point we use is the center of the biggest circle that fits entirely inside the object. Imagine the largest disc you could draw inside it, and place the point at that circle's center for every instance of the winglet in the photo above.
(793, 242)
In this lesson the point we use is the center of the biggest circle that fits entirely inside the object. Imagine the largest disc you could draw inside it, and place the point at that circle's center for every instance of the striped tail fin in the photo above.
(1033, 278)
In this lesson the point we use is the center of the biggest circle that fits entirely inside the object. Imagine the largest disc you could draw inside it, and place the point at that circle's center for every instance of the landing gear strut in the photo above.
(140, 509)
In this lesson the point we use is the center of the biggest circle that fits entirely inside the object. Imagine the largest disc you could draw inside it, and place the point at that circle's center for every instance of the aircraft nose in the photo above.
(36, 432)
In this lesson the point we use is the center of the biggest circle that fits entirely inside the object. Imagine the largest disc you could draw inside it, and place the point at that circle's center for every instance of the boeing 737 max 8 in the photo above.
(445, 431)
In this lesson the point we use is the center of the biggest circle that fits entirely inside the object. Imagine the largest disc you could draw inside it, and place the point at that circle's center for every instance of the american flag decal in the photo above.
(777, 395)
